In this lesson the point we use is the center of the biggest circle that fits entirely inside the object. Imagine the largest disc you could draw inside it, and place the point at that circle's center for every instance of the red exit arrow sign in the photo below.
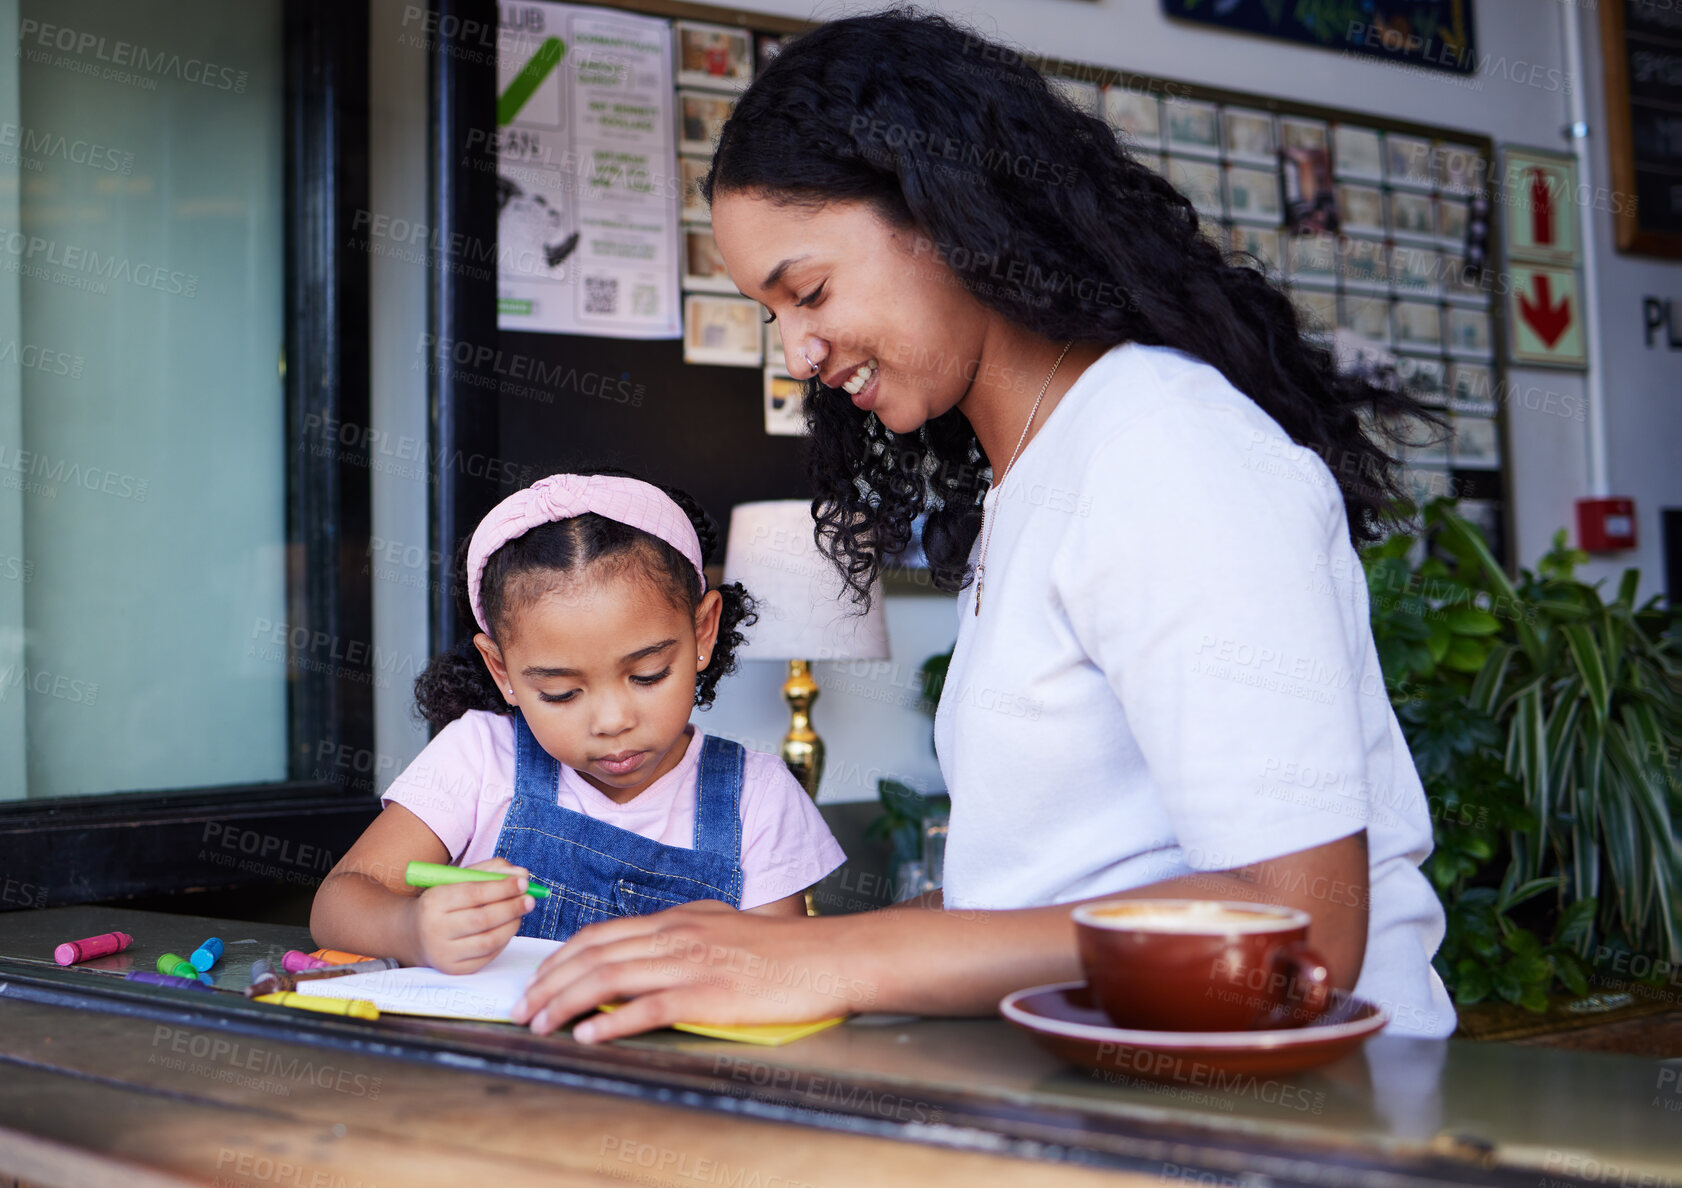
(1545, 316)
(1549, 321)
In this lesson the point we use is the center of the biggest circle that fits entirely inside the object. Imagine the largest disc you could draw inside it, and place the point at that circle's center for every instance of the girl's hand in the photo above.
(461, 926)
(703, 962)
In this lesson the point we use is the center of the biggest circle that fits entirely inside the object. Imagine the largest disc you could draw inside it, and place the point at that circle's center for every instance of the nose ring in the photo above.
(809, 362)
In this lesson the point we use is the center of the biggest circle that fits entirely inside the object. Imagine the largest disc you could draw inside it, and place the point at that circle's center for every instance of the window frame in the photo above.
(84, 849)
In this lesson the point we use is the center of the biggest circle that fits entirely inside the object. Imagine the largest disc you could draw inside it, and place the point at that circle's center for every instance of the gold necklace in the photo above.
(986, 524)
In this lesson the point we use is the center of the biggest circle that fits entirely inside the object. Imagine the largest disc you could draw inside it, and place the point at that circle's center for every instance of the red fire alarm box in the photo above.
(1605, 525)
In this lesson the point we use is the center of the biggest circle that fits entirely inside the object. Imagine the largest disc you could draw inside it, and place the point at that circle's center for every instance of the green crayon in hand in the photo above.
(434, 874)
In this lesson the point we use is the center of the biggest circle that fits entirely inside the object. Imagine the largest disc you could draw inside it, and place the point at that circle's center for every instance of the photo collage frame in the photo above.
(714, 64)
(1367, 225)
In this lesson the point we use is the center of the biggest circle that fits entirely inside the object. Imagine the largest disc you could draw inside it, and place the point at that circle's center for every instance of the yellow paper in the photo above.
(770, 1035)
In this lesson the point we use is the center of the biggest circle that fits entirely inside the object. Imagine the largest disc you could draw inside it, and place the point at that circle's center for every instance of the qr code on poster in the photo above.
(601, 295)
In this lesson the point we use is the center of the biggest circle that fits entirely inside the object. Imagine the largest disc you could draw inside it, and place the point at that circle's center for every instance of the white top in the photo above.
(1173, 671)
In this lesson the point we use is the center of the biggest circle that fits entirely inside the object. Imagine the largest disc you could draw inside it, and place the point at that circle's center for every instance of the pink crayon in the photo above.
(103, 945)
(296, 959)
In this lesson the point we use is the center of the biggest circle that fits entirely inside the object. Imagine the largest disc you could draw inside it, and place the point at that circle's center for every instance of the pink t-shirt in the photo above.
(463, 782)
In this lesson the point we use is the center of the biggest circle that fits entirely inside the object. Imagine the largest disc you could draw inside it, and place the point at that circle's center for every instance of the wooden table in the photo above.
(104, 1081)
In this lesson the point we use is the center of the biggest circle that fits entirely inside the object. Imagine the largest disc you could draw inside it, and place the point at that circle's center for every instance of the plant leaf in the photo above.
(1592, 667)
(1468, 620)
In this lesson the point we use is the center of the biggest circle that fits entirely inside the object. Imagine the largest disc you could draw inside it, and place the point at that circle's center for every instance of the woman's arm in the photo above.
(706, 963)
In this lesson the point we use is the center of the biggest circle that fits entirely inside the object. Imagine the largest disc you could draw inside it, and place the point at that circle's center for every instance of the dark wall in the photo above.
(568, 401)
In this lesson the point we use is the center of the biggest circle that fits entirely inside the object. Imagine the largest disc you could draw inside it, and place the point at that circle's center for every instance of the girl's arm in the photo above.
(707, 963)
(789, 905)
(364, 906)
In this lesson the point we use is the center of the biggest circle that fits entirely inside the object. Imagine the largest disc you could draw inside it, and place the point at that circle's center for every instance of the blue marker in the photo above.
(207, 954)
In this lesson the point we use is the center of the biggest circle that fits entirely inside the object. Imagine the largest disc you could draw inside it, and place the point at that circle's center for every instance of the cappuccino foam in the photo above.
(1193, 917)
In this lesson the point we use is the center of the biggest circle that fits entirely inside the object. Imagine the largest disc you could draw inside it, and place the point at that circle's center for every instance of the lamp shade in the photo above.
(805, 610)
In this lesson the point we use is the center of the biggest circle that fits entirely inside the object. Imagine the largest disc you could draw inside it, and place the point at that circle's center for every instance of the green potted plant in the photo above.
(1538, 715)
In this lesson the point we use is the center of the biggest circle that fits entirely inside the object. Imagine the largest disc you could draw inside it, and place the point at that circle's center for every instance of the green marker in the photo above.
(531, 76)
(435, 874)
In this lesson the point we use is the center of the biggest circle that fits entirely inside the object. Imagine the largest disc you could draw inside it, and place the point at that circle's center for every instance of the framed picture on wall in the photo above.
(1471, 388)
(701, 116)
(703, 265)
(1460, 169)
(1418, 324)
(713, 56)
(1368, 316)
(1313, 257)
(1317, 309)
(1468, 331)
(1407, 161)
(1260, 242)
(691, 172)
(1427, 446)
(1249, 136)
(1360, 208)
(1476, 442)
(1458, 282)
(1192, 126)
(1357, 152)
(1310, 200)
(1422, 375)
(785, 414)
(1199, 181)
(774, 357)
(1365, 264)
(722, 330)
(1295, 132)
(1451, 220)
(1134, 116)
(1254, 194)
(1413, 215)
(1414, 270)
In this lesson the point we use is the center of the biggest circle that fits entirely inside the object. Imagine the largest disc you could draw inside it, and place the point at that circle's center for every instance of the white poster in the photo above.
(587, 188)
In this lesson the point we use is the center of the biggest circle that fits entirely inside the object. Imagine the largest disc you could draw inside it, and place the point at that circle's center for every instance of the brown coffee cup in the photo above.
(1201, 965)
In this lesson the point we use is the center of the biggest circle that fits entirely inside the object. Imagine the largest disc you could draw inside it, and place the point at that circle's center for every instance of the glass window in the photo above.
(143, 535)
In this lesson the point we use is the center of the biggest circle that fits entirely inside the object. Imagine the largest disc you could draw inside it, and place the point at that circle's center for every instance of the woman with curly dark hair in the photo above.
(1146, 483)
(565, 751)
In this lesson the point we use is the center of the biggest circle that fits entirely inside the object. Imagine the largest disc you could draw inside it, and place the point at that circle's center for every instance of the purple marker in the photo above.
(158, 979)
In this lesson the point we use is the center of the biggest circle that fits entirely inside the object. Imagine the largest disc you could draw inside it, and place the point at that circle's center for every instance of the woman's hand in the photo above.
(459, 927)
(703, 962)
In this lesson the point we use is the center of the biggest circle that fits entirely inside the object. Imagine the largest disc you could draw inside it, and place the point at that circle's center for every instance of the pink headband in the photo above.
(563, 496)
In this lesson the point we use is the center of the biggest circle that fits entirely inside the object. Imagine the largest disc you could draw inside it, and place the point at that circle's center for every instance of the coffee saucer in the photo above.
(1068, 1023)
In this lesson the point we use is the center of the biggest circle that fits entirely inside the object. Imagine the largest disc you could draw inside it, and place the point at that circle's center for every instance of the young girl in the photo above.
(566, 752)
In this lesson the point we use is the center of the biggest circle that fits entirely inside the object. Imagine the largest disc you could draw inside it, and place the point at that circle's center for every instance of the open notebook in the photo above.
(491, 992)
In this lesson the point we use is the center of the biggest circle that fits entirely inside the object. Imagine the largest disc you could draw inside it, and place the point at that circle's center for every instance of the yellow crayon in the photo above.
(359, 1008)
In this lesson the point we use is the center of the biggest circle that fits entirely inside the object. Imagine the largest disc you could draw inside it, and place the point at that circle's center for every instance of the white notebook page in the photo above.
(490, 993)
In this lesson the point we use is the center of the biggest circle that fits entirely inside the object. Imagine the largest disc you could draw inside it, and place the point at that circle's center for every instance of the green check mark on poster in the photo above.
(531, 76)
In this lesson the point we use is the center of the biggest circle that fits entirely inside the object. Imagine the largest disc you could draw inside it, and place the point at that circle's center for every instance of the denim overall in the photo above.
(596, 871)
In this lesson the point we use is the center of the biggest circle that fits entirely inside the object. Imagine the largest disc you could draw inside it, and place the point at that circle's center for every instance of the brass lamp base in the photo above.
(802, 748)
